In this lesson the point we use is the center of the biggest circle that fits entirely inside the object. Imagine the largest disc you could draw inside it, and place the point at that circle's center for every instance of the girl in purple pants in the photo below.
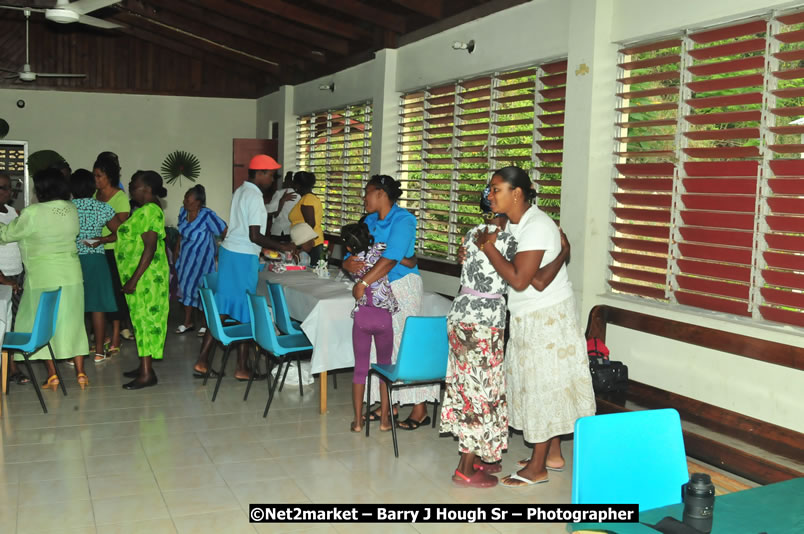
(372, 316)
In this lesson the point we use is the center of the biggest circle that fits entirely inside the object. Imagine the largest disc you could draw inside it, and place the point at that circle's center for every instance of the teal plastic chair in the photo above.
(280, 347)
(422, 359)
(210, 281)
(40, 335)
(279, 305)
(630, 457)
(225, 335)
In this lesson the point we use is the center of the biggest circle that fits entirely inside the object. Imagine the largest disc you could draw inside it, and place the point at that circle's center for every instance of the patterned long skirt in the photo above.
(547, 372)
(475, 410)
(408, 292)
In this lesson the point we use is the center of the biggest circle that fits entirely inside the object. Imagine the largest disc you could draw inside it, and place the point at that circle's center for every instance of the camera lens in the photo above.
(699, 502)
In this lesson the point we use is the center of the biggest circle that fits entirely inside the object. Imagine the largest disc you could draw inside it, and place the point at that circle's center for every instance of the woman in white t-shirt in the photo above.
(548, 384)
(11, 268)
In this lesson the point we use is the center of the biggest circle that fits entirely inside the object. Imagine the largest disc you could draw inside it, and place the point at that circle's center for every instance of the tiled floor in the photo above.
(166, 459)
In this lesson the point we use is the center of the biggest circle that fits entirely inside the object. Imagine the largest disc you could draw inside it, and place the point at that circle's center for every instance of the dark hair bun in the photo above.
(392, 188)
(162, 193)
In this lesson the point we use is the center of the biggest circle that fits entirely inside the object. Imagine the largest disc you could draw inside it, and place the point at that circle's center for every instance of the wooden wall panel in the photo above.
(116, 62)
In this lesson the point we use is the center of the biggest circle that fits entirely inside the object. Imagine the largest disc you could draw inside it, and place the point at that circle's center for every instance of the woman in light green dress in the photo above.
(142, 261)
(46, 235)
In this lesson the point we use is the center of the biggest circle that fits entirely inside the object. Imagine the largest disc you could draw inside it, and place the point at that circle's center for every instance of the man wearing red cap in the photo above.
(238, 256)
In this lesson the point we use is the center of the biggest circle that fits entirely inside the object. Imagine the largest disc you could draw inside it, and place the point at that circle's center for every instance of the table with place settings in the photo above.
(324, 306)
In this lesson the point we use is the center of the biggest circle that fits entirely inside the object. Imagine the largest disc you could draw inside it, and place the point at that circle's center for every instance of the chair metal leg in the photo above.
(393, 419)
(210, 361)
(298, 368)
(284, 376)
(56, 366)
(220, 374)
(368, 402)
(435, 406)
(34, 382)
(254, 370)
(273, 390)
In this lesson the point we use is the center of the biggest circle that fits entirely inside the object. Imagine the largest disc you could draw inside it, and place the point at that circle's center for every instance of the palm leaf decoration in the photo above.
(180, 164)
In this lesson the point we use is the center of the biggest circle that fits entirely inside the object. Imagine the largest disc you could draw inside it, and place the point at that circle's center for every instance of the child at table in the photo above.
(372, 316)
(303, 236)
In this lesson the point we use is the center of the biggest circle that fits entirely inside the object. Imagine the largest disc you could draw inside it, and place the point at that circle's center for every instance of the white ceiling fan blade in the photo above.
(98, 23)
(83, 7)
(56, 75)
(18, 8)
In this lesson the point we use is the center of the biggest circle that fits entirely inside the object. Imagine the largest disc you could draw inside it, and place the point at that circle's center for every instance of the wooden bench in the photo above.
(751, 448)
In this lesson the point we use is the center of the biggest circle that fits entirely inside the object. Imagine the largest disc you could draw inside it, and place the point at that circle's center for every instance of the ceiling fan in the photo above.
(65, 12)
(26, 74)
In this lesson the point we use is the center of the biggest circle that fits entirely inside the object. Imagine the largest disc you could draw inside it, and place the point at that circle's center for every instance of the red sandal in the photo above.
(480, 479)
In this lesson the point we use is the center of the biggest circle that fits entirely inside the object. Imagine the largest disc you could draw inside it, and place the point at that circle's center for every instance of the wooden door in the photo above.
(245, 149)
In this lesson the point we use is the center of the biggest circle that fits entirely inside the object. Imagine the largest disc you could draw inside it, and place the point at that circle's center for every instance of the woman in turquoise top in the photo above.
(396, 227)
(46, 234)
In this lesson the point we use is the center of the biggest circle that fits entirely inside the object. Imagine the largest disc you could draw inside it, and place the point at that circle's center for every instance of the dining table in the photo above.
(323, 306)
(773, 509)
(5, 323)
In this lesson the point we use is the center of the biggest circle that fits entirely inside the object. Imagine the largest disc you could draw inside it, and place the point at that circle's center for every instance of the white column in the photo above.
(586, 182)
(386, 109)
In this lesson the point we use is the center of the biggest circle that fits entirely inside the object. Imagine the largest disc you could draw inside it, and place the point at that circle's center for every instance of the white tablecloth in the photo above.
(5, 310)
(324, 307)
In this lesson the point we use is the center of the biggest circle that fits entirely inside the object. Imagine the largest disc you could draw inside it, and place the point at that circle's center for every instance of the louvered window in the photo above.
(452, 136)
(708, 204)
(336, 146)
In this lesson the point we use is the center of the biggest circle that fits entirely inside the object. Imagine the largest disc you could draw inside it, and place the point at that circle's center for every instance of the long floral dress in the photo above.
(149, 303)
(475, 409)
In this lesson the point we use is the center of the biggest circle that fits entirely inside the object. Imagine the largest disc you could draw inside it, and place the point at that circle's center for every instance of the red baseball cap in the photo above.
(262, 162)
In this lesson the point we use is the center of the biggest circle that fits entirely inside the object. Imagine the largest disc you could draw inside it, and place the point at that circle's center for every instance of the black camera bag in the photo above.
(607, 376)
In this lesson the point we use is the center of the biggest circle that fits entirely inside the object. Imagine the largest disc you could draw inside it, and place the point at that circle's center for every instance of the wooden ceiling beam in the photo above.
(288, 11)
(145, 24)
(271, 25)
(192, 31)
(370, 13)
(237, 29)
(431, 8)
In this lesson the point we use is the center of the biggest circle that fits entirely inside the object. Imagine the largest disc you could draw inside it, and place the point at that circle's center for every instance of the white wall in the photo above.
(142, 130)
(586, 31)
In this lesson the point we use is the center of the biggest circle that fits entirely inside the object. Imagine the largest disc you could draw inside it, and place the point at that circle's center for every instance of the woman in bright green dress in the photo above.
(142, 263)
(46, 234)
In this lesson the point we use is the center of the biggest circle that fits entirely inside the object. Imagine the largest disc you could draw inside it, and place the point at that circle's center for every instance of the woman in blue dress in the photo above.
(198, 226)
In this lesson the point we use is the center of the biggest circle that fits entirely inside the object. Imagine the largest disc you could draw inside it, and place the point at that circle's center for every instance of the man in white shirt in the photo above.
(279, 208)
(238, 256)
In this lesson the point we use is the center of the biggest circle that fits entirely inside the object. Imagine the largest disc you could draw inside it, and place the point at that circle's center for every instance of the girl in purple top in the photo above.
(372, 315)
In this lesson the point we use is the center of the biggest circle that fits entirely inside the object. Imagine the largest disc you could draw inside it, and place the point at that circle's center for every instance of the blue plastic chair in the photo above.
(422, 359)
(279, 347)
(224, 334)
(210, 281)
(42, 332)
(279, 305)
(630, 457)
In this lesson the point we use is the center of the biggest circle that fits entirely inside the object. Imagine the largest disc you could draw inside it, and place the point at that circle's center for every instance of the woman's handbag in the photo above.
(607, 376)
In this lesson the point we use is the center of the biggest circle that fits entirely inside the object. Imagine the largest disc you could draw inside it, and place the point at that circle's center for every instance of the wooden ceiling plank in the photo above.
(270, 24)
(169, 39)
(371, 13)
(431, 8)
(238, 29)
(309, 18)
(201, 33)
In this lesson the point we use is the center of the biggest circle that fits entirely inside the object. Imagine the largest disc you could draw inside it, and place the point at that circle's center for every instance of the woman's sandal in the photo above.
(19, 378)
(111, 351)
(413, 424)
(83, 380)
(182, 329)
(51, 383)
(101, 357)
(480, 479)
(375, 415)
(526, 461)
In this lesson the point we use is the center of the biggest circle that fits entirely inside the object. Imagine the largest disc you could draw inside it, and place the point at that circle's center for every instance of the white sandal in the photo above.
(527, 482)
(101, 357)
(202, 331)
(182, 329)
